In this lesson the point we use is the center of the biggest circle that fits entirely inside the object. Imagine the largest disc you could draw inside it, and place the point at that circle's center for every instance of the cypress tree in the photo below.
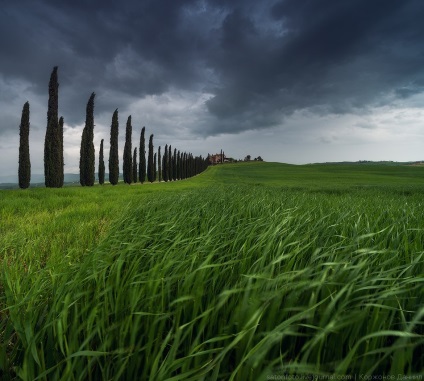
(134, 164)
(169, 164)
(61, 178)
(142, 161)
(179, 166)
(52, 143)
(192, 173)
(150, 169)
(24, 171)
(159, 166)
(155, 173)
(191, 165)
(174, 165)
(184, 165)
(101, 165)
(164, 161)
(113, 151)
(83, 156)
(91, 159)
(87, 159)
(127, 166)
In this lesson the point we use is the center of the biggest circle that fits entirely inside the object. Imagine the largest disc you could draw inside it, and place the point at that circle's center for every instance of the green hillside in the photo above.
(321, 176)
(248, 271)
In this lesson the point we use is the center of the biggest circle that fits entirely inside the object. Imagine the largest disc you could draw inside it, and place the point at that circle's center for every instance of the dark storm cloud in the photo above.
(329, 56)
(259, 60)
(130, 49)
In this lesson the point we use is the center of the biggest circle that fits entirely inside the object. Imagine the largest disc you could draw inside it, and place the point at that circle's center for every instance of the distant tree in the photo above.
(165, 164)
(101, 165)
(169, 164)
(24, 171)
(61, 178)
(184, 165)
(127, 166)
(247, 158)
(155, 172)
(159, 165)
(52, 144)
(83, 156)
(87, 159)
(142, 162)
(113, 150)
(150, 163)
(174, 165)
(179, 167)
(190, 165)
(134, 175)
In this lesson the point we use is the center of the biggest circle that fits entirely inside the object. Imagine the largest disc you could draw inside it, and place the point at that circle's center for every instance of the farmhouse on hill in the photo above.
(217, 158)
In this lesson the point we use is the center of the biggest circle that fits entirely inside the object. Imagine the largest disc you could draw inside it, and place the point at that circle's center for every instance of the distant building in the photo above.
(220, 158)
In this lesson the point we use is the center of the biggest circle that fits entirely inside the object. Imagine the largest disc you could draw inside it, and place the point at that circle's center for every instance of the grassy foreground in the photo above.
(246, 272)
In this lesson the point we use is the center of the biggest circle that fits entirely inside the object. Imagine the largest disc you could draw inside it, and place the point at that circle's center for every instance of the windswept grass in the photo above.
(214, 280)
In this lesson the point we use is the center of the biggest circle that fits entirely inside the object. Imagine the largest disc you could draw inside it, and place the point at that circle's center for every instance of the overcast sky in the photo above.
(293, 81)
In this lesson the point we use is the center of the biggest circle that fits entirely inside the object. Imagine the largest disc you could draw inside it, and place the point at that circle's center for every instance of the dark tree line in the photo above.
(170, 166)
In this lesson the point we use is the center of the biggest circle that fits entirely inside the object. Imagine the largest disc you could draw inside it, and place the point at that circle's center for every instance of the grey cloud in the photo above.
(261, 61)
(334, 57)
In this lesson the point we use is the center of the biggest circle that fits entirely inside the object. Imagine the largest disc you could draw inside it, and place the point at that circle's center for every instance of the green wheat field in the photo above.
(248, 271)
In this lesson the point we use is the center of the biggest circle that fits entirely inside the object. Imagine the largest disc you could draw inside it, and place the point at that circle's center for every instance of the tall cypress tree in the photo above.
(83, 155)
(87, 159)
(134, 166)
(155, 173)
(150, 169)
(180, 177)
(185, 165)
(24, 171)
(61, 176)
(159, 166)
(174, 165)
(101, 165)
(113, 151)
(91, 158)
(52, 143)
(142, 161)
(169, 164)
(164, 164)
(127, 166)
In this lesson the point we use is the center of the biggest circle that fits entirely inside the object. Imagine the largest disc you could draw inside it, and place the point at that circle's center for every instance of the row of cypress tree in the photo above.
(157, 167)
(163, 168)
